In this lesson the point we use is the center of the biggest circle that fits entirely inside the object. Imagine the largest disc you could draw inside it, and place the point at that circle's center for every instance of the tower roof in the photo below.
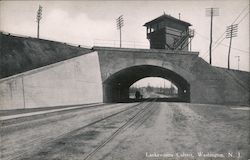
(166, 17)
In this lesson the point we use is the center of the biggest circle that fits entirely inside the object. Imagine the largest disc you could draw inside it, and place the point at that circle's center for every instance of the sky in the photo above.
(94, 23)
(153, 82)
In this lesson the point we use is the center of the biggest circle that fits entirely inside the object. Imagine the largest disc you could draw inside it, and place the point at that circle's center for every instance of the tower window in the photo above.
(154, 27)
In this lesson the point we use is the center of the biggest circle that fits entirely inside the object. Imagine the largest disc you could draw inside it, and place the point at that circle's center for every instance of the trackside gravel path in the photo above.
(148, 131)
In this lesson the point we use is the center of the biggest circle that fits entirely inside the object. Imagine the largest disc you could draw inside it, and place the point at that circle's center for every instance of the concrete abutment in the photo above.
(103, 74)
(202, 82)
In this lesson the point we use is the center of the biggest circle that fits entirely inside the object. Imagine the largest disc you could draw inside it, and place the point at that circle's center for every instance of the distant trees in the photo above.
(150, 89)
(169, 91)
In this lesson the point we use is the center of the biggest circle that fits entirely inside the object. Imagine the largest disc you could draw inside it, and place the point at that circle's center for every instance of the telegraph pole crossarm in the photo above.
(119, 25)
(230, 33)
(38, 18)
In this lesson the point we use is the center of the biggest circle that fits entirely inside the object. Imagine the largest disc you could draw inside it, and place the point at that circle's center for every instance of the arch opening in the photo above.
(116, 87)
(153, 87)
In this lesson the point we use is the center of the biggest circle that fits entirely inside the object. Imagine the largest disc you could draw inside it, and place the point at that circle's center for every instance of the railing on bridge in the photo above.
(104, 43)
(125, 44)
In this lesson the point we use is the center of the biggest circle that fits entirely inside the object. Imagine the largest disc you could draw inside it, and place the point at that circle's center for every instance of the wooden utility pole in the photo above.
(230, 33)
(38, 18)
(211, 12)
(119, 25)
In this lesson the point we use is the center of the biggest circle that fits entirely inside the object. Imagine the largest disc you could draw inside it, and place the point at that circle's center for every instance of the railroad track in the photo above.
(144, 112)
(24, 154)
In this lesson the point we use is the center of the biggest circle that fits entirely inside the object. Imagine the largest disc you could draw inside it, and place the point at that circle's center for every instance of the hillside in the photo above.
(20, 54)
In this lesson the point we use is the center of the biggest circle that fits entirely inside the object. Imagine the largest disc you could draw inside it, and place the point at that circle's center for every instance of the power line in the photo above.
(225, 31)
(240, 50)
(240, 14)
(233, 22)
(217, 45)
(202, 36)
(232, 32)
(215, 42)
(226, 46)
(243, 18)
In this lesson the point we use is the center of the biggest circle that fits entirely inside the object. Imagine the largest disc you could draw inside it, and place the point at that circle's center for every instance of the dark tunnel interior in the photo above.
(116, 87)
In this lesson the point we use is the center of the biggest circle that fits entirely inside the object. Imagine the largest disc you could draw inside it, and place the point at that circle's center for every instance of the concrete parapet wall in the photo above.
(70, 82)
